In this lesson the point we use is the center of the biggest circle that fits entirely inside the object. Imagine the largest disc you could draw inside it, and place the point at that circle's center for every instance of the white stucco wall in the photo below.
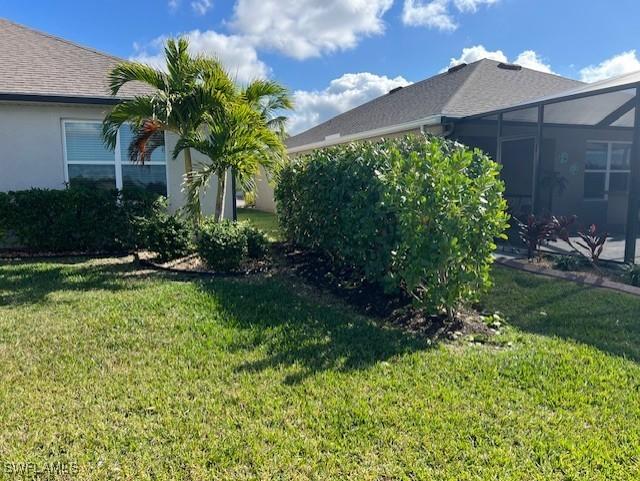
(264, 193)
(31, 150)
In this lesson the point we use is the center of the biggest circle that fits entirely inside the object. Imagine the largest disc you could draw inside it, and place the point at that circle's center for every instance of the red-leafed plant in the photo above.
(561, 228)
(535, 232)
(593, 242)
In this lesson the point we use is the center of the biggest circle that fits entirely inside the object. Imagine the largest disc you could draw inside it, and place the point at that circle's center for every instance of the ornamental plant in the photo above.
(420, 214)
(221, 245)
(168, 236)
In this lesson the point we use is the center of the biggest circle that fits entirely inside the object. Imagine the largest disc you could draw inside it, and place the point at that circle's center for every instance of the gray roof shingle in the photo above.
(35, 63)
(479, 87)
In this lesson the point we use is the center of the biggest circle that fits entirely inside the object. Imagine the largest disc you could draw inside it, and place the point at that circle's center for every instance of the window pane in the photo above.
(126, 137)
(596, 157)
(94, 176)
(594, 185)
(84, 143)
(620, 156)
(152, 178)
(618, 182)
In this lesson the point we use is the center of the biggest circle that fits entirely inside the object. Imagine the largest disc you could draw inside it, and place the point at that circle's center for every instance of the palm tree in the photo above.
(237, 138)
(181, 101)
(269, 99)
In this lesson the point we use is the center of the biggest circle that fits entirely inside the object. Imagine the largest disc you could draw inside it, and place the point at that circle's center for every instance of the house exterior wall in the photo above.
(31, 150)
(264, 188)
(563, 152)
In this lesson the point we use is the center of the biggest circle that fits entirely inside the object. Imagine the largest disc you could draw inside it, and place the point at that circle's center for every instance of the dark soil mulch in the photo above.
(368, 298)
(372, 300)
(194, 265)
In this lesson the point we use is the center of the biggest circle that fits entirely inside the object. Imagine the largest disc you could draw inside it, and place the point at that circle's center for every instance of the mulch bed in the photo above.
(194, 265)
(370, 299)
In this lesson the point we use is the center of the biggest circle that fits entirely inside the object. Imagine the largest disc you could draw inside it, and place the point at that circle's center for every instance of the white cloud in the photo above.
(438, 13)
(201, 6)
(237, 55)
(528, 58)
(173, 4)
(342, 94)
(620, 64)
(308, 28)
(477, 52)
(434, 14)
(472, 5)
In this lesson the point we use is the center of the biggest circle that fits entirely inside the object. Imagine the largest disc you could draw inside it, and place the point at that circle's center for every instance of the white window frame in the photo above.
(118, 161)
(606, 171)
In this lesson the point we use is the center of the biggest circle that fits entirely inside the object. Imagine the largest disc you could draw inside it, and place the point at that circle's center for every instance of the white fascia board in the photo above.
(392, 129)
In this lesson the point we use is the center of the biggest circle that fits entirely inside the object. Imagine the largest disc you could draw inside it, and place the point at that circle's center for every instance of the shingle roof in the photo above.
(476, 88)
(35, 63)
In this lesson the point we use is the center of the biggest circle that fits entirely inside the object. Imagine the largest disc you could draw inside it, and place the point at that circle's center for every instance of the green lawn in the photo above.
(143, 376)
(262, 220)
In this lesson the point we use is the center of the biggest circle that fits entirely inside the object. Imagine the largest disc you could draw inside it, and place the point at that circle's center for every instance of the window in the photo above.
(606, 170)
(89, 162)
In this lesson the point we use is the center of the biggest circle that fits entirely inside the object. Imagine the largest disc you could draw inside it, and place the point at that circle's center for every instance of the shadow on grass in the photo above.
(297, 330)
(607, 320)
(31, 282)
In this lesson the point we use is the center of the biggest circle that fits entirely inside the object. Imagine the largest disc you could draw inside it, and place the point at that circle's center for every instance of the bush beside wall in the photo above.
(73, 219)
(417, 214)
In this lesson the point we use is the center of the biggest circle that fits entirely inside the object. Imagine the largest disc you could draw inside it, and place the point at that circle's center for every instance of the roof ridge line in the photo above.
(474, 65)
(63, 40)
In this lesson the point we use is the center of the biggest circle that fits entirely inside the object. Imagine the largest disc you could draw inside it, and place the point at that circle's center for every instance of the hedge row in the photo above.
(418, 213)
(73, 219)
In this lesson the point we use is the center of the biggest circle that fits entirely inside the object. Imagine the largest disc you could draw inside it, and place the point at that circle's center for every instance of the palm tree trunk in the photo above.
(220, 196)
(188, 169)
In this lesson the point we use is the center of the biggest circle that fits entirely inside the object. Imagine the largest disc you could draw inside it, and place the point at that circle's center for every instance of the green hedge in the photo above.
(73, 219)
(418, 213)
(222, 245)
(225, 245)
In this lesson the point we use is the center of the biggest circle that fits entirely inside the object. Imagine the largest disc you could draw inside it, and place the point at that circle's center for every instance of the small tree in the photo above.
(180, 101)
(237, 138)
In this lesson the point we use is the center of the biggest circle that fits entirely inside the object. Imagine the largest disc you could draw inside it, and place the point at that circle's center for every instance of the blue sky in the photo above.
(335, 54)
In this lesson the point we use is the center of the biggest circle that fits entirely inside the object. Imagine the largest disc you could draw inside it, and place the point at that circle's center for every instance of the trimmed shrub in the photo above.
(569, 263)
(331, 201)
(221, 245)
(169, 236)
(632, 274)
(74, 219)
(257, 242)
(419, 214)
(5, 210)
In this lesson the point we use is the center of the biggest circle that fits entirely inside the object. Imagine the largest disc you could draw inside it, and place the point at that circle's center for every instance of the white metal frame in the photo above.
(118, 161)
(608, 170)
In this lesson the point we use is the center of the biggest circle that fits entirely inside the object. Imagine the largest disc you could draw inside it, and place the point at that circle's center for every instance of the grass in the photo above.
(262, 220)
(135, 375)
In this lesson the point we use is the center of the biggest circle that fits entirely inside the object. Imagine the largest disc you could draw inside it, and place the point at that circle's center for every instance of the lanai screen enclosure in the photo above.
(577, 153)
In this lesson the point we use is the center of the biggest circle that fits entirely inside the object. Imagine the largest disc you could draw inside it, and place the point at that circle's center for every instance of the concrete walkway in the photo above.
(584, 278)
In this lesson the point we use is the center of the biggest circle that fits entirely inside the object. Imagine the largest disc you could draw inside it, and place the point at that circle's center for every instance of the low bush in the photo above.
(221, 245)
(632, 274)
(417, 214)
(169, 236)
(74, 219)
(568, 263)
(257, 242)
(4, 215)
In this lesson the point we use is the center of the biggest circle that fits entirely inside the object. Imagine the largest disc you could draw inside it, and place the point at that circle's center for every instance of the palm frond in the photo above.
(134, 111)
(147, 138)
(278, 96)
(126, 72)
